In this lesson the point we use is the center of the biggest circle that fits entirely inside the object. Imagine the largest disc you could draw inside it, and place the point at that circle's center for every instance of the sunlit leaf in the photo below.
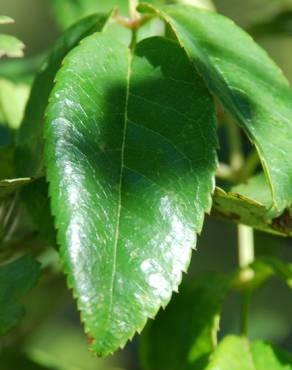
(248, 84)
(29, 154)
(130, 175)
(250, 204)
(4, 19)
(13, 98)
(10, 46)
(237, 353)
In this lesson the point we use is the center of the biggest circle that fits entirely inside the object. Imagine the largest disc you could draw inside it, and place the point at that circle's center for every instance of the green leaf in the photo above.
(183, 336)
(9, 186)
(131, 171)
(29, 153)
(278, 25)
(6, 160)
(16, 279)
(237, 353)
(248, 84)
(70, 11)
(256, 188)
(267, 267)
(203, 4)
(35, 196)
(250, 204)
(13, 98)
(10, 46)
(239, 209)
(4, 19)
(12, 360)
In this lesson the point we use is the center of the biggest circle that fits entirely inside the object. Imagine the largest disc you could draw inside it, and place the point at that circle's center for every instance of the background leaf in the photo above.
(69, 11)
(16, 279)
(184, 335)
(29, 153)
(8, 186)
(237, 353)
(4, 19)
(248, 84)
(10, 46)
(13, 98)
(130, 172)
(278, 25)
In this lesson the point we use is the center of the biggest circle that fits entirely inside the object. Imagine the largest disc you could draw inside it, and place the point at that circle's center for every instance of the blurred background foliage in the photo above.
(51, 336)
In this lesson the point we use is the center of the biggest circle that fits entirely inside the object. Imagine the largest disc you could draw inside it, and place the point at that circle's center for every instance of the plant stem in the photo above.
(133, 9)
(245, 257)
(250, 165)
(236, 156)
(244, 313)
(245, 245)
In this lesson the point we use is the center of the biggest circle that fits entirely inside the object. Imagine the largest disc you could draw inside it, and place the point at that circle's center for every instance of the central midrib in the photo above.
(118, 216)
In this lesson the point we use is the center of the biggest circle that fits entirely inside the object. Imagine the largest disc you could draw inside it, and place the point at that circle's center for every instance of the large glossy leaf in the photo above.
(131, 167)
(248, 84)
(29, 153)
(184, 335)
(16, 278)
(237, 353)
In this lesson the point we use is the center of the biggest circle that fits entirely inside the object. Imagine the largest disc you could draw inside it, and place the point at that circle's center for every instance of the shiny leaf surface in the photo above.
(29, 153)
(184, 335)
(248, 84)
(16, 279)
(131, 167)
(237, 353)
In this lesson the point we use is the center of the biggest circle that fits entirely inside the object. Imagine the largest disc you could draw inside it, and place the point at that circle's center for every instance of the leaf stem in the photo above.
(245, 245)
(133, 9)
(246, 257)
(236, 156)
(246, 296)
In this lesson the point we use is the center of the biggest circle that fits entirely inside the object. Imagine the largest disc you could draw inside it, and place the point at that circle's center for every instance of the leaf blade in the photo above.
(257, 98)
(29, 151)
(136, 272)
